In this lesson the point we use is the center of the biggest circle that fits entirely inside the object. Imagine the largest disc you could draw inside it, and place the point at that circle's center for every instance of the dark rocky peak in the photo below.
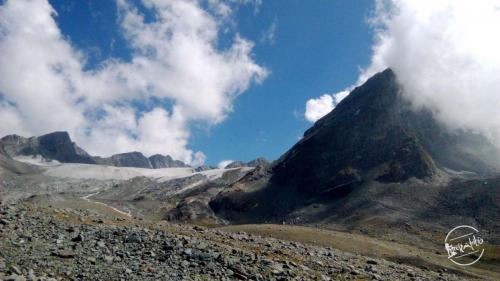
(165, 161)
(374, 134)
(13, 139)
(57, 146)
(129, 159)
(11, 145)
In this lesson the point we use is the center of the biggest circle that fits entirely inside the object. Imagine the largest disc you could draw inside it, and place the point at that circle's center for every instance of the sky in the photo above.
(207, 81)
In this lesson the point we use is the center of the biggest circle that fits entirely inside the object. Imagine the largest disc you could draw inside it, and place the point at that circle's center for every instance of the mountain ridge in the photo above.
(373, 146)
(59, 146)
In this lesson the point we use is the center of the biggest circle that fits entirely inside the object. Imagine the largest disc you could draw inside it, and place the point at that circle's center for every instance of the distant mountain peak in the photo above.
(261, 161)
(165, 161)
(59, 146)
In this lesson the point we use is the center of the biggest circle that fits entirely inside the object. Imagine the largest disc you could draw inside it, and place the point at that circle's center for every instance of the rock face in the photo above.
(259, 162)
(130, 159)
(57, 146)
(373, 150)
(373, 134)
(160, 161)
(254, 163)
(205, 168)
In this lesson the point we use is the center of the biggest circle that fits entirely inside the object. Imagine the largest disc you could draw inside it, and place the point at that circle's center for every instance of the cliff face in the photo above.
(373, 134)
(161, 161)
(57, 146)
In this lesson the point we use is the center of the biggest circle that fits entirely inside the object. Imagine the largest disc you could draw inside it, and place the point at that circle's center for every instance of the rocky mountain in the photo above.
(373, 155)
(254, 163)
(261, 161)
(205, 168)
(160, 161)
(59, 146)
(374, 134)
(130, 159)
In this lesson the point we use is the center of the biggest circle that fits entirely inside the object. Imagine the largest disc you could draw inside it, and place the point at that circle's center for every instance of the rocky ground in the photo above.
(44, 243)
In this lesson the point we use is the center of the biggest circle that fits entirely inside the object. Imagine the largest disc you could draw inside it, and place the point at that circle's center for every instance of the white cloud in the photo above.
(317, 108)
(255, 3)
(445, 55)
(175, 58)
(222, 164)
(269, 35)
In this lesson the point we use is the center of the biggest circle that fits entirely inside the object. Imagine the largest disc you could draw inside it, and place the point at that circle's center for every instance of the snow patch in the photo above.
(37, 160)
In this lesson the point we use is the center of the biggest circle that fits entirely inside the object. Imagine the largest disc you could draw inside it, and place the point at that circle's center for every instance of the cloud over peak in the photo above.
(317, 108)
(44, 87)
(445, 56)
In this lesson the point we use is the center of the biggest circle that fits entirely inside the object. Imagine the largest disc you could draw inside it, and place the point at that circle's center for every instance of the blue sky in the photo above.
(318, 47)
(301, 50)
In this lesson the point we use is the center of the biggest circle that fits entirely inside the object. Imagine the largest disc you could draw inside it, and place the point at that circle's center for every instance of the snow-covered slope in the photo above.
(102, 172)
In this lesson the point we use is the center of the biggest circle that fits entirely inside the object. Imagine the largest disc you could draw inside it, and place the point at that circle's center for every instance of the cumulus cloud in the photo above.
(445, 55)
(222, 164)
(319, 107)
(44, 86)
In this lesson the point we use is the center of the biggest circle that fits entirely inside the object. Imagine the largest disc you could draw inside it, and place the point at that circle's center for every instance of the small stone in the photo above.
(198, 228)
(15, 277)
(133, 238)
(65, 254)
(371, 262)
(303, 267)
(16, 270)
(78, 238)
(188, 252)
(31, 275)
(277, 268)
